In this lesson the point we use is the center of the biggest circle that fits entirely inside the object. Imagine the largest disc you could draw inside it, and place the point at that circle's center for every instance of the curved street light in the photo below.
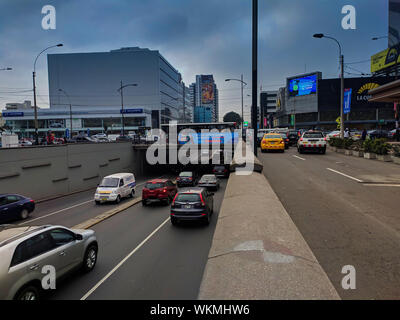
(34, 89)
(341, 58)
(120, 90)
(6, 69)
(241, 85)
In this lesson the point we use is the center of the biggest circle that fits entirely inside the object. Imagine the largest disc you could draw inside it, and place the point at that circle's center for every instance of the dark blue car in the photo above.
(14, 207)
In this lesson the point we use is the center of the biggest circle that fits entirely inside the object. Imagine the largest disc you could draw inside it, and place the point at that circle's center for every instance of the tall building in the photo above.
(204, 94)
(92, 80)
(394, 22)
(268, 107)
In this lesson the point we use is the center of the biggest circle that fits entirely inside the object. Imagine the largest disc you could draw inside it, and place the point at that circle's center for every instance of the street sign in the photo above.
(338, 122)
(245, 124)
(67, 133)
(347, 101)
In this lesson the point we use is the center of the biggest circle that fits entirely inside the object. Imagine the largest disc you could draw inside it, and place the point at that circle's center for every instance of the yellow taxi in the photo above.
(272, 141)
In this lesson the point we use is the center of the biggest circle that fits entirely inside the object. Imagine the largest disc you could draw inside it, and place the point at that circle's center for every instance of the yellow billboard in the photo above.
(385, 59)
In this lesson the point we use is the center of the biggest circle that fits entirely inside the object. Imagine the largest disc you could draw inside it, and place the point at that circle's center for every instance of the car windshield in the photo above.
(313, 135)
(185, 174)
(153, 186)
(187, 197)
(109, 182)
(273, 136)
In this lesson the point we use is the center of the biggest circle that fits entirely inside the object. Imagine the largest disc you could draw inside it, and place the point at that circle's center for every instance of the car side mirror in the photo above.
(78, 236)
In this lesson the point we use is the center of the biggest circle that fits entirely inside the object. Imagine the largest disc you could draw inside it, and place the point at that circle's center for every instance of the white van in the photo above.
(115, 187)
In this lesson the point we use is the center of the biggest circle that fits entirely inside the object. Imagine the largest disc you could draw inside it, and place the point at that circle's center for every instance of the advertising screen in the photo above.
(207, 90)
(302, 86)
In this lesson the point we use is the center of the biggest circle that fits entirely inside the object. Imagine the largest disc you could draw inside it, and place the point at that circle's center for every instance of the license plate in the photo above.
(272, 142)
(103, 198)
(188, 206)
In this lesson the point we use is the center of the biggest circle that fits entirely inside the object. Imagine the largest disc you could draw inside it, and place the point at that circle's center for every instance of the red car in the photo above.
(157, 190)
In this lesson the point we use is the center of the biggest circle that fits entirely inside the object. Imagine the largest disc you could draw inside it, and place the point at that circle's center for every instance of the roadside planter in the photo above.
(396, 159)
(358, 153)
(339, 150)
(348, 152)
(369, 155)
(384, 157)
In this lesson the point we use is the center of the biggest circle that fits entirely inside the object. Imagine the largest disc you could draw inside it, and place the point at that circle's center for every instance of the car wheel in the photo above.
(168, 201)
(30, 292)
(97, 202)
(144, 203)
(323, 151)
(174, 221)
(132, 194)
(118, 200)
(90, 258)
(207, 220)
(24, 214)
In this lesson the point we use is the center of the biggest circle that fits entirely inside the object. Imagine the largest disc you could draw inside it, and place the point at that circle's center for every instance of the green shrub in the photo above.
(367, 145)
(378, 146)
(348, 143)
(357, 145)
(396, 150)
(337, 142)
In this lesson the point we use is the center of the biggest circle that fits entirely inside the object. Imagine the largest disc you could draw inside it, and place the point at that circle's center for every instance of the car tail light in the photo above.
(301, 139)
(203, 204)
(177, 179)
(31, 201)
(190, 178)
(164, 190)
(325, 139)
(173, 201)
(225, 170)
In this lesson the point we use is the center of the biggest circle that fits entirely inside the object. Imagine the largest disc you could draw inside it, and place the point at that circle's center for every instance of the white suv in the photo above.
(312, 141)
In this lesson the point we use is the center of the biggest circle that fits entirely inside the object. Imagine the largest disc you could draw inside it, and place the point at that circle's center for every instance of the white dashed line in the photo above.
(345, 175)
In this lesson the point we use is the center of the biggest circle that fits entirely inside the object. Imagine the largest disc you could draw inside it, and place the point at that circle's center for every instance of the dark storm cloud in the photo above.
(208, 36)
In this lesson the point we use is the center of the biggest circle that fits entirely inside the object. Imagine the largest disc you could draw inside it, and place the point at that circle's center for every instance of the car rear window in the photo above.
(273, 136)
(313, 135)
(208, 178)
(187, 197)
(185, 174)
(153, 186)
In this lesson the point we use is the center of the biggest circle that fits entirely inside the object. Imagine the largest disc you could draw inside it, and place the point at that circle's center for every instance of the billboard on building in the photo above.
(207, 89)
(394, 22)
(302, 86)
(385, 58)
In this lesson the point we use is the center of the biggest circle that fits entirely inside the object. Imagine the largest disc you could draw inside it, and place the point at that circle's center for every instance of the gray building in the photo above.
(204, 93)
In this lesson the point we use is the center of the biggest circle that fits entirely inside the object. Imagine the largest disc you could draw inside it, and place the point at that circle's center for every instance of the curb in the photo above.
(108, 214)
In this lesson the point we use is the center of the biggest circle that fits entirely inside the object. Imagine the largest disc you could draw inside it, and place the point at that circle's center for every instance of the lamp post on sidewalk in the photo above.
(341, 58)
(242, 83)
(70, 110)
(34, 89)
(120, 90)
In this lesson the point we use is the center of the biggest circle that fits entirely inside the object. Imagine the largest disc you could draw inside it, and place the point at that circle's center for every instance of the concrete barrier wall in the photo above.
(257, 251)
(49, 171)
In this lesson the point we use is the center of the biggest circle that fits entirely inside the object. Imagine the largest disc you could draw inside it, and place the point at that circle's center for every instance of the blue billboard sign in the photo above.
(303, 86)
(139, 110)
(12, 114)
(347, 101)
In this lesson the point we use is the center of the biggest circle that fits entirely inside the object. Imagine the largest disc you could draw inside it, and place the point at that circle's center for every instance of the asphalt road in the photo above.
(348, 211)
(159, 261)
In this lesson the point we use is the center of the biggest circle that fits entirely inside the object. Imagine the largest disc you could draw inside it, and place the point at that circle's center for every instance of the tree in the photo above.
(232, 117)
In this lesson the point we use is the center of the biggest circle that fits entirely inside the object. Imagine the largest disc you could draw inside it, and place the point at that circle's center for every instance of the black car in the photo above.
(14, 207)
(221, 171)
(186, 179)
(285, 140)
(192, 204)
(124, 138)
(293, 136)
(378, 134)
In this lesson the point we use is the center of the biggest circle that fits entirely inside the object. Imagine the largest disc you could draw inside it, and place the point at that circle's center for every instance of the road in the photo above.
(347, 209)
(159, 261)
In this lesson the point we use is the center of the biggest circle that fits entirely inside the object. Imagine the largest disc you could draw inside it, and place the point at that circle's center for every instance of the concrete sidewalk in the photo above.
(257, 251)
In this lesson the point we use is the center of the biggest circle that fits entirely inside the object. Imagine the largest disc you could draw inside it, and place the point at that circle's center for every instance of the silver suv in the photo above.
(25, 251)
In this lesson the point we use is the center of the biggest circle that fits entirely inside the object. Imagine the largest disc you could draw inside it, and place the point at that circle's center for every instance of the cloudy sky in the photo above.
(196, 36)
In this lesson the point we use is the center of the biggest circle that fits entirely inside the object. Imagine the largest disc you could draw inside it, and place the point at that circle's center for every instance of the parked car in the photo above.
(25, 143)
(192, 204)
(115, 187)
(333, 134)
(186, 178)
(124, 138)
(158, 190)
(221, 171)
(26, 250)
(272, 141)
(392, 134)
(312, 141)
(209, 181)
(14, 207)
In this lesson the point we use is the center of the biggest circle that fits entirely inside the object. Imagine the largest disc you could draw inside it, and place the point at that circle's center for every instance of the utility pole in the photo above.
(254, 75)
(241, 81)
(122, 110)
(341, 96)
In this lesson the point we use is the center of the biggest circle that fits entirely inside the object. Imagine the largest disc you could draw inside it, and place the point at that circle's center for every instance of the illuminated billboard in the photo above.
(302, 86)
(207, 89)
(385, 59)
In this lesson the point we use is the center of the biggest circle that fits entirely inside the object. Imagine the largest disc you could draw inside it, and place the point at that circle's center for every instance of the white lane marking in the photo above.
(299, 157)
(65, 209)
(345, 175)
(123, 261)
(381, 185)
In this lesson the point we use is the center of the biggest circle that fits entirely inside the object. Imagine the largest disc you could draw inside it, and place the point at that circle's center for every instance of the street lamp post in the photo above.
(242, 83)
(34, 90)
(6, 69)
(321, 35)
(70, 110)
(120, 90)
